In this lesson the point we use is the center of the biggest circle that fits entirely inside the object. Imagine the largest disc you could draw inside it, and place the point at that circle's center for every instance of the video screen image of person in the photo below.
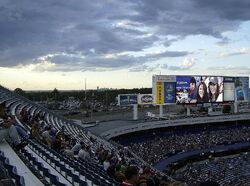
(202, 95)
(239, 90)
(192, 91)
(215, 89)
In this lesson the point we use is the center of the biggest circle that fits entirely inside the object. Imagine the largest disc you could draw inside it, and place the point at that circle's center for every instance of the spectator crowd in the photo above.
(152, 151)
(233, 171)
(124, 170)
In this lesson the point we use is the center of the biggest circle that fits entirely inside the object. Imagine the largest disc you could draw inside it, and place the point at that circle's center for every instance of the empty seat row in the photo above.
(12, 171)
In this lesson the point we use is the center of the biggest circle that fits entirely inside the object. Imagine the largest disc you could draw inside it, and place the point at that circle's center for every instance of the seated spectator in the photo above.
(68, 152)
(84, 153)
(6, 114)
(72, 142)
(131, 175)
(106, 163)
(119, 177)
(77, 147)
(67, 140)
(46, 136)
(35, 129)
(57, 143)
(7, 129)
(24, 115)
(150, 177)
(111, 170)
(142, 181)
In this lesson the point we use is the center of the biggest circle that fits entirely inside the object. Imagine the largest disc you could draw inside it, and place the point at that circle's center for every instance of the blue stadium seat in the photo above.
(12, 171)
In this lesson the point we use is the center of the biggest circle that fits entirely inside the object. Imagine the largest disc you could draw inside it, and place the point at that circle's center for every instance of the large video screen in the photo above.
(199, 89)
(242, 89)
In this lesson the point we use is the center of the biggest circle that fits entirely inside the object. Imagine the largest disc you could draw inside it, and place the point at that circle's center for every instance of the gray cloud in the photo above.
(95, 62)
(93, 29)
(222, 42)
(140, 68)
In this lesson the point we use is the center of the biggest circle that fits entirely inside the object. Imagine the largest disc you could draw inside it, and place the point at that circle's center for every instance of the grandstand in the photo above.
(37, 164)
(170, 146)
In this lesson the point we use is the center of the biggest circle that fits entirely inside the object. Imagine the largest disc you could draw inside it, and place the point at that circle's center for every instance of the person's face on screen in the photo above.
(213, 88)
(192, 86)
(201, 91)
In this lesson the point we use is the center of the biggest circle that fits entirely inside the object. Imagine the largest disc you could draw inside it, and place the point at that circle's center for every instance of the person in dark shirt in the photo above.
(192, 91)
(132, 176)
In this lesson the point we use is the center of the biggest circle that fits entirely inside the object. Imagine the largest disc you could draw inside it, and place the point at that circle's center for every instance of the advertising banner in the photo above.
(158, 89)
(229, 86)
(160, 93)
(154, 89)
(242, 89)
(145, 99)
(169, 92)
(127, 99)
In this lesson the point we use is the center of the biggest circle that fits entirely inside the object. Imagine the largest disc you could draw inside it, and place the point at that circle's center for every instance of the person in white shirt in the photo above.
(84, 153)
(106, 164)
(77, 147)
(46, 136)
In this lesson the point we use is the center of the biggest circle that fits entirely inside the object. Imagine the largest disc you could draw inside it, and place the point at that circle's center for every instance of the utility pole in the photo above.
(85, 89)
(92, 104)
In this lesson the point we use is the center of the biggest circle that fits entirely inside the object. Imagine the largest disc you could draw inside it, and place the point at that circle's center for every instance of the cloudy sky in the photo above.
(120, 43)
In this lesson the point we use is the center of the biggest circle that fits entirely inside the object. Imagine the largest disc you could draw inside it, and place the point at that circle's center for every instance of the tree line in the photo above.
(105, 96)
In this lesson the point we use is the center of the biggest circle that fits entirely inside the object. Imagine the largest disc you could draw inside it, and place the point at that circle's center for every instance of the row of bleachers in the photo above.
(5, 179)
(73, 170)
(44, 171)
(12, 170)
(93, 174)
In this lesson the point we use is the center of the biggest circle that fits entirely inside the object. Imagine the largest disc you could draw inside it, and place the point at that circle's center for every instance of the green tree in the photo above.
(19, 91)
(55, 94)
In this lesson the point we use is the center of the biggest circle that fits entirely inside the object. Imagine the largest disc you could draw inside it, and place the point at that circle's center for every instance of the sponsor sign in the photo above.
(127, 99)
(145, 99)
(241, 89)
(160, 93)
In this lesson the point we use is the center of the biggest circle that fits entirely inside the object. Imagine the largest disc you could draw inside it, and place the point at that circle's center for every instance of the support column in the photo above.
(188, 111)
(161, 111)
(135, 112)
(235, 107)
